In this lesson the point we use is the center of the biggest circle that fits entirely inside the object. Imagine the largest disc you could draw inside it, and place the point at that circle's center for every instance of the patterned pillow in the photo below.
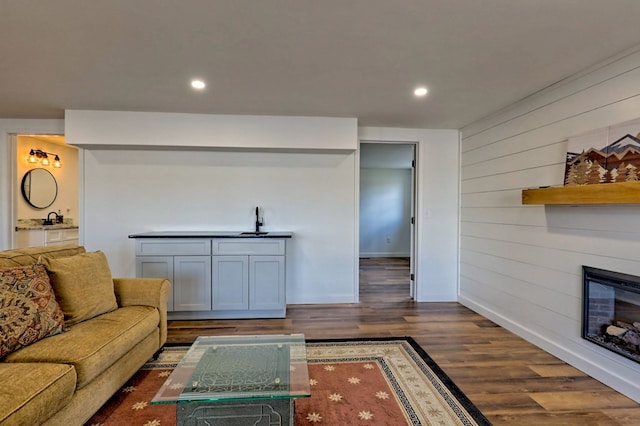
(28, 308)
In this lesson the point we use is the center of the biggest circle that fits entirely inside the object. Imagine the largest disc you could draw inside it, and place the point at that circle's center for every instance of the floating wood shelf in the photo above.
(605, 193)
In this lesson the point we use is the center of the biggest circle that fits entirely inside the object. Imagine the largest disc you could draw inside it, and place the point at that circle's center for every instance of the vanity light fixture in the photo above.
(37, 155)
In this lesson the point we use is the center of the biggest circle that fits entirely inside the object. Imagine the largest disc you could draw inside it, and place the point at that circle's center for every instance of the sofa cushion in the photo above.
(33, 392)
(93, 345)
(28, 308)
(29, 256)
(83, 285)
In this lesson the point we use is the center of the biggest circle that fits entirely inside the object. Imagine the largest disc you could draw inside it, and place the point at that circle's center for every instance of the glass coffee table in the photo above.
(238, 380)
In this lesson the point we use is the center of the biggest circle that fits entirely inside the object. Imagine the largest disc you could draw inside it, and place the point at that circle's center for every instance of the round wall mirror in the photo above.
(39, 188)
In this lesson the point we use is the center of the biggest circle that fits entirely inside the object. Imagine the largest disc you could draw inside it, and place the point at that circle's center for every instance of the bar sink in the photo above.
(253, 233)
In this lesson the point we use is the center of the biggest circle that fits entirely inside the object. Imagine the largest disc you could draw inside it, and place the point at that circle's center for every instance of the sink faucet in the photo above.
(48, 220)
(258, 223)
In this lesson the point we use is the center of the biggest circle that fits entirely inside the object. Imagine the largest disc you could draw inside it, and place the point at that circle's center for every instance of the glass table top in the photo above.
(239, 368)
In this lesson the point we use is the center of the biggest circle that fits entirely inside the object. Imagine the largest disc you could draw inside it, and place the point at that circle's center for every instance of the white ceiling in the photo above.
(342, 58)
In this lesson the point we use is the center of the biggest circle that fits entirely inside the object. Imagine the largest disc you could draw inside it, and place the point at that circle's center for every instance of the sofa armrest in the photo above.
(147, 292)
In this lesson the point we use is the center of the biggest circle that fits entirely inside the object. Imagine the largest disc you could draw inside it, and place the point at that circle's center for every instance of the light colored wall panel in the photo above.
(587, 82)
(521, 265)
(581, 121)
(312, 195)
(619, 222)
(583, 241)
(549, 258)
(531, 158)
(511, 215)
(437, 207)
(517, 179)
(560, 304)
(543, 278)
(504, 198)
(588, 116)
(127, 129)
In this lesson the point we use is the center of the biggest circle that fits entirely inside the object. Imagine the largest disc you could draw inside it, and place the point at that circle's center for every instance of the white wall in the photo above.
(437, 207)
(129, 191)
(521, 265)
(329, 229)
(312, 192)
(7, 169)
(174, 130)
(385, 212)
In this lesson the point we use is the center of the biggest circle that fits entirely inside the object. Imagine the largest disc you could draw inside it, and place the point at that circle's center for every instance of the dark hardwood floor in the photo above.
(511, 381)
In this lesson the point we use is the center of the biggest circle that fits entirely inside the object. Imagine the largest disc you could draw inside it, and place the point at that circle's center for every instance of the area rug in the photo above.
(364, 381)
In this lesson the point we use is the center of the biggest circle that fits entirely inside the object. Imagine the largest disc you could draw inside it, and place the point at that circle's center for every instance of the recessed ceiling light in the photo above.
(198, 84)
(420, 91)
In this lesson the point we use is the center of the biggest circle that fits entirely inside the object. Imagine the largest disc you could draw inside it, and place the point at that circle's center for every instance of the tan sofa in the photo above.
(65, 378)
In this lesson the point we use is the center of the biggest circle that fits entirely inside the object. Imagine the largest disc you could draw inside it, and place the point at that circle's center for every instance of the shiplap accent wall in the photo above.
(521, 265)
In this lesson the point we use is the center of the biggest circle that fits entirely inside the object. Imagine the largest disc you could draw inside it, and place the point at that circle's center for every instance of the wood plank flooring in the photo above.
(511, 381)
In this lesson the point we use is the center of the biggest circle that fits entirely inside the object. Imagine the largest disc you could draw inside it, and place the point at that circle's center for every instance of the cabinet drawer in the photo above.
(173, 247)
(63, 243)
(248, 246)
(59, 235)
(70, 234)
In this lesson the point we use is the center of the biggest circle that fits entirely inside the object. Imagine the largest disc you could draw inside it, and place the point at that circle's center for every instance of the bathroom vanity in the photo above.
(217, 275)
(30, 233)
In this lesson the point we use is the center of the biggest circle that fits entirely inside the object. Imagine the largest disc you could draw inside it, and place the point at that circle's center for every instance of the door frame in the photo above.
(14, 180)
(415, 235)
(12, 140)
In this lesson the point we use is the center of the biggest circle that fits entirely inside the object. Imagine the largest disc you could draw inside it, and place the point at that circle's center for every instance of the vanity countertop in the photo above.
(36, 224)
(212, 234)
(45, 227)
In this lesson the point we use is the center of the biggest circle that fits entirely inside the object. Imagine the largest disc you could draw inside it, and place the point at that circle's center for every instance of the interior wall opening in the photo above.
(386, 220)
(45, 181)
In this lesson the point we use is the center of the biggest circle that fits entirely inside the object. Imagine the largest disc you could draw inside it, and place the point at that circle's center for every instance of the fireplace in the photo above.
(611, 311)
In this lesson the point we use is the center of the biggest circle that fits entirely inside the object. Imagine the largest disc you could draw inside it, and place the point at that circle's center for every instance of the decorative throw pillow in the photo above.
(28, 308)
(83, 285)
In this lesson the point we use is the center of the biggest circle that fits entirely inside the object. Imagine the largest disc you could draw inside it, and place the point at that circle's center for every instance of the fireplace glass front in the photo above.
(611, 311)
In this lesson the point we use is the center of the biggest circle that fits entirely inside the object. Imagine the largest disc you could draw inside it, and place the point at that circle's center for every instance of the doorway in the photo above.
(387, 212)
(33, 200)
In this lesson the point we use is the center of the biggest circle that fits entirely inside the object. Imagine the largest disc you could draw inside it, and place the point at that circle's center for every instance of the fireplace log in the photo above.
(613, 330)
(625, 324)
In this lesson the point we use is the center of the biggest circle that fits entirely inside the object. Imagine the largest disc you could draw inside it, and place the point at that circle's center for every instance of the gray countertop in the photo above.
(212, 234)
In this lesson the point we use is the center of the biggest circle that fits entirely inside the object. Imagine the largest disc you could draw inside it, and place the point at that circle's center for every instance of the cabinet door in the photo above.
(60, 237)
(30, 238)
(192, 283)
(266, 282)
(156, 267)
(230, 282)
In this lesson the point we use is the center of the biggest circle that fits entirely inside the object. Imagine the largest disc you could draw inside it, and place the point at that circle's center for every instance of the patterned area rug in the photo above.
(369, 381)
